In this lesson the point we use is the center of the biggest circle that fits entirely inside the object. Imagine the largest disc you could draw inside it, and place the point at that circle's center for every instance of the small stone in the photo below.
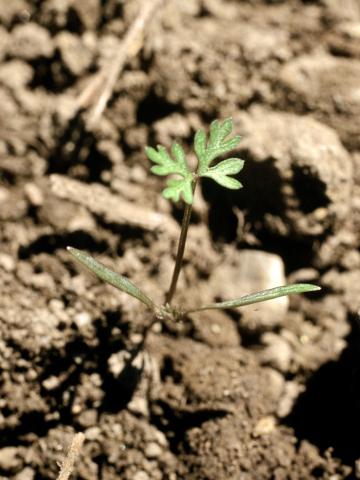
(82, 319)
(153, 450)
(26, 474)
(10, 459)
(264, 426)
(117, 362)
(88, 418)
(92, 433)
(277, 352)
(7, 262)
(139, 406)
(34, 194)
(30, 41)
(74, 53)
(276, 384)
(291, 392)
(51, 383)
(140, 475)
(251, 271)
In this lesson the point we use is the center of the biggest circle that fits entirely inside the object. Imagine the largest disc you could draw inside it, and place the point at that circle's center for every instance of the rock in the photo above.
(301, 176)
(15, 74)
(10, 460)
(153, 450)
(26, 474)
(277, 352)
(264, 426)
(33, 194)
(328, 85)
(74, 53)
(30, 41)
(291, 392)
(249, 271)
(140, 475)
(7, 262)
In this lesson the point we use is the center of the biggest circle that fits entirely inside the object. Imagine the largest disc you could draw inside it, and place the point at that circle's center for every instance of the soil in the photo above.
(270, 393)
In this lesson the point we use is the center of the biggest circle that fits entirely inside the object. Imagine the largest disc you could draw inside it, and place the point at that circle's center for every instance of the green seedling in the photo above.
(208, 150)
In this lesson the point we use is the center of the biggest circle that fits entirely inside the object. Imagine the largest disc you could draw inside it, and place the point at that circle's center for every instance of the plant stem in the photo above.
(180, 251)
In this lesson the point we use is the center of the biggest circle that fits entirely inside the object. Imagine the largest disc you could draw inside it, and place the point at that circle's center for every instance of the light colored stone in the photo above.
(153, 450)
(9, 459)
(34, 194)
(141, 475)
(30, 41)
(82, 319)
(291, 392)
(250, 271)
(264, 426)
(74, 53)
(7, 262)
(26, 474)
(277, 352)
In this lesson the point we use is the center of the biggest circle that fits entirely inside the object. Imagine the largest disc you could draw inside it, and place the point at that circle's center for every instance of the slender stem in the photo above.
(180, 251)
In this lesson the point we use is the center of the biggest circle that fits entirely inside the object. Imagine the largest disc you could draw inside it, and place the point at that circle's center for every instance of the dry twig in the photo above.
(104, 81)
(71, 457)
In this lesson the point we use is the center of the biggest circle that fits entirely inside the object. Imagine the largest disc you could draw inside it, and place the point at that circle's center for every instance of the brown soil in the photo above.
(258, 394)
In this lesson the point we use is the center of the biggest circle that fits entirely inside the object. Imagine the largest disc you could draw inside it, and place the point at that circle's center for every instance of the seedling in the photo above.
(208, 150)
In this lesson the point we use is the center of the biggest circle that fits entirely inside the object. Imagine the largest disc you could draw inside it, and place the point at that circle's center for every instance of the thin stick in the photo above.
(180, 252)
(71, 457)
(108, 76)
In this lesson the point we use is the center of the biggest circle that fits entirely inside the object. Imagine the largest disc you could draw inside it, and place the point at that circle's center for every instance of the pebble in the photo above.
(139, 406)
(291, 392)
(264, 426)
(249, 271)
(153, 450)
(277, 352)
(51, 383)
(82, 319)
(9, 459)
(140, 475)
(34, 194)
(93, 433)
(30, 41)
(26, 474)
(7, 262)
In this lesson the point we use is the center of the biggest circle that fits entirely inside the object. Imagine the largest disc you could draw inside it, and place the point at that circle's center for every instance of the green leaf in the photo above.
(262, 296)
(220, 173)
(200, 143)
(217, 144)
(176, 187)
(177, 165)
(109, 276)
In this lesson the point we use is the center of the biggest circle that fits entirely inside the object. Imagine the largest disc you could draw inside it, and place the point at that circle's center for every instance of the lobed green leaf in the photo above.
(109, 276)
(262, 296)
(217, 144)
(179, 187)
(219, 173)
(175, 165)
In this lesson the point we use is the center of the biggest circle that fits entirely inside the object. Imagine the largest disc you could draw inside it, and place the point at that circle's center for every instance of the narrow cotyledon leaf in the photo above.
(262, 296)
(109, 276)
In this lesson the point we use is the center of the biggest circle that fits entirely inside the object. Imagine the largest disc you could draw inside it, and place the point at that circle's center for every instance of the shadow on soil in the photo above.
(328, 412)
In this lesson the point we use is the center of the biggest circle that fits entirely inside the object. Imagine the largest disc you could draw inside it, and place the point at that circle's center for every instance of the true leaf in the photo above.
(220, 173)
(217, 144)
(175, 164)
(109, 276)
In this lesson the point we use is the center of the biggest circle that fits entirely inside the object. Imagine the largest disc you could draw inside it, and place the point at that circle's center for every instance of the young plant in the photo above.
(208, 150)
